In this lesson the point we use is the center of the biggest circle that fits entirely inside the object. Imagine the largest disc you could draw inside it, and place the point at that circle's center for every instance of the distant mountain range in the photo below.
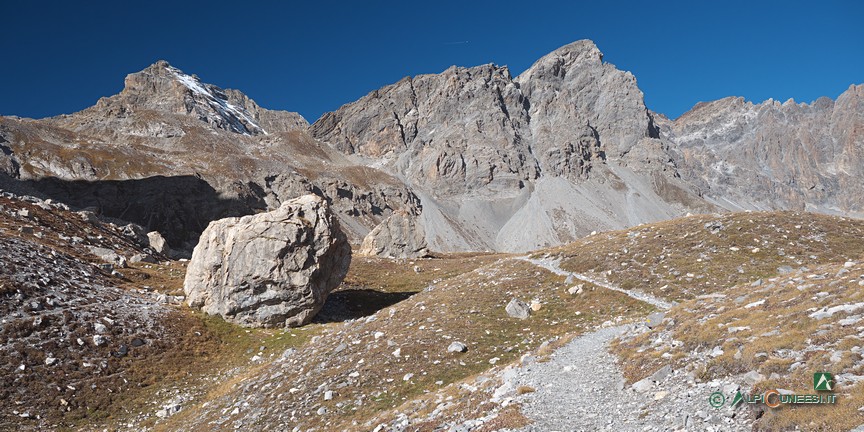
(477, 159)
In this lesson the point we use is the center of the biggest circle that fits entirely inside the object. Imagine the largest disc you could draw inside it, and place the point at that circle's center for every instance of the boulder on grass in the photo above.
(398, 236)
(271, 269)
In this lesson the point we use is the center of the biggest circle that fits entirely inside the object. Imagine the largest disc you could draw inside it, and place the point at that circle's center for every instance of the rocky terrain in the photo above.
(269, 269)
(521, 258)
(473, 153)
(567, 145)
(72, 332)
(774, 155)
(435, 342)
(172, 154)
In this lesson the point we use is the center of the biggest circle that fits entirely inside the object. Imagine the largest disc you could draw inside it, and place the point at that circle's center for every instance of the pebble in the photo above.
(99, 340)
(518, 309)
(457, 347)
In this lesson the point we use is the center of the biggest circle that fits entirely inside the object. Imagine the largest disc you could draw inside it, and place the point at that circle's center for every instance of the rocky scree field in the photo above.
(85, 342)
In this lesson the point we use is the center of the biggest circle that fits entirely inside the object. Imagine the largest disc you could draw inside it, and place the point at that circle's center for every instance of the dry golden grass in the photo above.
(769, 337)
(458, 298)
(842, 416)
(510, 418)
(165, 277)
(682, 258)
(525, 390)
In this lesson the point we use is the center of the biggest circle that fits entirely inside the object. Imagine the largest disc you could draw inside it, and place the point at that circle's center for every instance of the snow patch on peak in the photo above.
(238, 118)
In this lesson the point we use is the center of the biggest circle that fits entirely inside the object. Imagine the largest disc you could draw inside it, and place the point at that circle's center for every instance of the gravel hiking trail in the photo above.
(554, 266)
(582, 388)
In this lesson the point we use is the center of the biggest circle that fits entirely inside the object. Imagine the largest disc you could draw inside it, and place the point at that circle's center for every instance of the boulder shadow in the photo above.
(354, 303)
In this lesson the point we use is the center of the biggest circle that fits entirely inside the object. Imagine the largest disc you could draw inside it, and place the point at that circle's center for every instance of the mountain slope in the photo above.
(776, 155)
(481, 160)
(564, 149)
(167, 130)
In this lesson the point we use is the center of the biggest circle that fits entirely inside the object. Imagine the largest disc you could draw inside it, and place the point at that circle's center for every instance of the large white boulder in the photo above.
(271, 269)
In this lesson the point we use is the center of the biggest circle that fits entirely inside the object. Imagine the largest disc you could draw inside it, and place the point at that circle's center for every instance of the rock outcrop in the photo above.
(514, 164)
(775, 155)
(584, 111)
(8, 164)
(271, 269)
(399, 236)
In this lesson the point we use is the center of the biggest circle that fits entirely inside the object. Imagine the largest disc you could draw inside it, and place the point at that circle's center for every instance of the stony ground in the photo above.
(621, 331)
(88, 338)
(582, 388)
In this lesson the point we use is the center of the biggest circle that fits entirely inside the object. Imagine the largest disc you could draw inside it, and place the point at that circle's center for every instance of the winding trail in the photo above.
(582, 388)
(555, 267)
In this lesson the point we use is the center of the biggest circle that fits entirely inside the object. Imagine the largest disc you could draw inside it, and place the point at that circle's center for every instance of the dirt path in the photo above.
(555, 267)
(581, 388)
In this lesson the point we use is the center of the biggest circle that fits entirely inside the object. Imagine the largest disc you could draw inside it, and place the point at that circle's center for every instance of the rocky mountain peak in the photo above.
(574, 93)
(162, 86)
(163, 101)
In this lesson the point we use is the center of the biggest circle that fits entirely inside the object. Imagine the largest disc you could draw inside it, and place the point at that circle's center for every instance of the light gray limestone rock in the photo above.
(271, 269)
(399, 236)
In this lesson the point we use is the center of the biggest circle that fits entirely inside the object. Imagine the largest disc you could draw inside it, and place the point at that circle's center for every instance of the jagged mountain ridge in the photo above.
(168, 124)
(566, 148)
(485, 161)
(165, 89)
(775, 155)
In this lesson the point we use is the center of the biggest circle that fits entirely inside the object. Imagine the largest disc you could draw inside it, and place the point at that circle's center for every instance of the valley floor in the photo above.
(628, 330)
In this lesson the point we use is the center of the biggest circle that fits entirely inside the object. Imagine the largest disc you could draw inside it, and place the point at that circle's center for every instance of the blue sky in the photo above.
(311, 57)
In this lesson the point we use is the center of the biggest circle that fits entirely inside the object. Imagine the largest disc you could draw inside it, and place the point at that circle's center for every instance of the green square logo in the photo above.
(823, 381)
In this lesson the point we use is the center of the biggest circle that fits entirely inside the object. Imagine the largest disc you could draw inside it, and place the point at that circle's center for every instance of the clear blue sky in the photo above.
(60, 57)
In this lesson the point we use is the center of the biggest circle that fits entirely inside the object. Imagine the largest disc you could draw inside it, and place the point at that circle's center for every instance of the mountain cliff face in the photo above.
(479, 159)
(452, 132)
(581, 106)
(775, 155)
(566, 148)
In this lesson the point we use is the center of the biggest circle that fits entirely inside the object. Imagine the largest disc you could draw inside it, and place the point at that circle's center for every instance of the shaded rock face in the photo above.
(8, 165)
(178, 207)
(272, 269)
(399, 236)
